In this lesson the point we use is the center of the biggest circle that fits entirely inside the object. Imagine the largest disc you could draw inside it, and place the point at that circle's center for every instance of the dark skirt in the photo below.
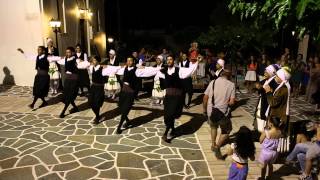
(41, 85)
(84, 80)
(173, 106)
(70, 90)
(96, 96)
(126, 100)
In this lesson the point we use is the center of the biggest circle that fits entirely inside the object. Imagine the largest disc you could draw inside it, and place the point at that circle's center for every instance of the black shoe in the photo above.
(165, 139)
(44, 104)
(31, 106)
(119, 131)
(74, 110)
(81, 94)
(62, 115)
(126, 125)
(95, 122)
(218, 154)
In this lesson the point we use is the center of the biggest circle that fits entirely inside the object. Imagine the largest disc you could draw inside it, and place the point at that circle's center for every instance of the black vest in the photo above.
(42, 64)
(173, 80)
(81, 56)
(187, 64)
(97, 76)
(130, 77)
(71, 65)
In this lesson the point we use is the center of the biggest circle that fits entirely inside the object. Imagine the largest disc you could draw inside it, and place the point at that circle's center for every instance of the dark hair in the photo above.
(244, 144)
(97, 58)
(79, 45)
(275, 121)
(42, 48)
(226, 73)
(71, 49)
(170, 55)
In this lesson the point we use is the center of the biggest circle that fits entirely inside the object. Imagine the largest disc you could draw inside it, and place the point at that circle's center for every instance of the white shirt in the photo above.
(235, 156)
(183, 71)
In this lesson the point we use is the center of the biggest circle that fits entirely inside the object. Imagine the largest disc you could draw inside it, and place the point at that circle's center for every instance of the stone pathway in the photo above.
(36, 145)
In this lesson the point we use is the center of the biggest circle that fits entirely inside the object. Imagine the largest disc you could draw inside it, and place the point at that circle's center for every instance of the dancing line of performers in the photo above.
(170, 82)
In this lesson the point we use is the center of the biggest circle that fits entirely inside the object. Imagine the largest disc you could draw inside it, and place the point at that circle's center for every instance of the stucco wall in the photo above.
(20, 27)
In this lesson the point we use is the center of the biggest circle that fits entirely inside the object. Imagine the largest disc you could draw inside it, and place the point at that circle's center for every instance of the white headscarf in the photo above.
(284, 75)
(221, 63)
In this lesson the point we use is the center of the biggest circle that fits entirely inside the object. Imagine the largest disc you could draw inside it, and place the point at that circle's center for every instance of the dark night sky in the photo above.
(152, 14)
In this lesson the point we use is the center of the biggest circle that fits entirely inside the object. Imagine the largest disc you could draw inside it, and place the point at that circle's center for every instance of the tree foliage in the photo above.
(232, 37)
(303, 16)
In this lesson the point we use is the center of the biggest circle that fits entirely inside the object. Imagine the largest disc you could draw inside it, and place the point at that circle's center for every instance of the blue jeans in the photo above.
(303, 151)
(299, 152)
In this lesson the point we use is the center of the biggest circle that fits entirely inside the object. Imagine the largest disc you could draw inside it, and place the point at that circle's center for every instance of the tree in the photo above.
(237, 36)
(302, 16)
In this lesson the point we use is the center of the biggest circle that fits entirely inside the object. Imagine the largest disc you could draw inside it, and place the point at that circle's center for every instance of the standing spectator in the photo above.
(220, 94)
(251, 75)
(278, 99)
(164, 54)
(113, 81)
(269, 140)
(193, 52)
(313, 89)
(262, 66)
(260, 117)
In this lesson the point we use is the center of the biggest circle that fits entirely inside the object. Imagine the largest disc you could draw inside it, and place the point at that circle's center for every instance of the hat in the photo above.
(272, 69)
(284, 73)
(113, 52)
(221, 62)
(160, 57)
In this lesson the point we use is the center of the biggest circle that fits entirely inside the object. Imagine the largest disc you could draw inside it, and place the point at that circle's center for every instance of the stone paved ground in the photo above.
(38, 144)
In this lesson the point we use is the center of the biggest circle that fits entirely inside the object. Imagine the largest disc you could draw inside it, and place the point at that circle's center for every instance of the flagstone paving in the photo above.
(36, 144)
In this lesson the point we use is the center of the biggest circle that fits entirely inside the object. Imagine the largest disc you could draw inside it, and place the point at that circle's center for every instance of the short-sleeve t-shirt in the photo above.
(223, 91)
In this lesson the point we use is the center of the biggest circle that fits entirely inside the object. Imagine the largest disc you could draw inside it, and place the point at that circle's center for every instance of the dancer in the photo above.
(42, 78)
(186, 83)
(71, 82)
(96, 96)
(83, 79)
(173, 100)
(127, 94)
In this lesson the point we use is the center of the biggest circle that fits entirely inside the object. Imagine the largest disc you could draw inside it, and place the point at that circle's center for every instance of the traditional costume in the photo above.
(173, 101)
(83, 80)
(127, 93)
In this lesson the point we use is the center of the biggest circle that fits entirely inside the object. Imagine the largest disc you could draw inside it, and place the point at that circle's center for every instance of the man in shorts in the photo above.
(223, 93)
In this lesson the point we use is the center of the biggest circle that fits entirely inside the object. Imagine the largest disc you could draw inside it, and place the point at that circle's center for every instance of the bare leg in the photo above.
(263, 171)
(270, 170)
(214, 133)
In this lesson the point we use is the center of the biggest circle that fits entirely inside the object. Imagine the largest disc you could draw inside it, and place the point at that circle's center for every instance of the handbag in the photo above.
(216, 114)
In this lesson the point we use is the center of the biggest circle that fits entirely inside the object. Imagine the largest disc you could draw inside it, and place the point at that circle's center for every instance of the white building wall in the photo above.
(20, 27)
